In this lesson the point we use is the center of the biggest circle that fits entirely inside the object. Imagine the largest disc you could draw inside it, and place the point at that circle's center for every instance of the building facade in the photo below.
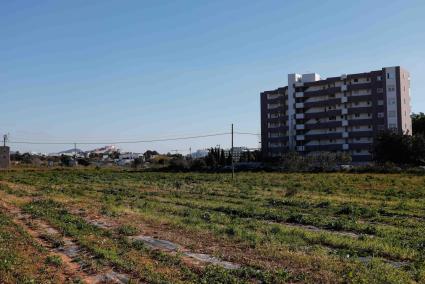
(341, 113)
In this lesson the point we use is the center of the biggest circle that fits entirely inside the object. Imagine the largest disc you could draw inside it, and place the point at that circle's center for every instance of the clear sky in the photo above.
(113, 70)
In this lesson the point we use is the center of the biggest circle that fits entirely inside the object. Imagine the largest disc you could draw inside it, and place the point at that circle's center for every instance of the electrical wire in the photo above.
(119, 142)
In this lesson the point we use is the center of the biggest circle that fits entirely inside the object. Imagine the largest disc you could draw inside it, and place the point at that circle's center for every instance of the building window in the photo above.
(356, 80)
(357, 115)
(379, 90)
(391, 113)
(379, 78)
(380, 114)
(391, 88)
(390, 76)
(380, 102)
(391, 101)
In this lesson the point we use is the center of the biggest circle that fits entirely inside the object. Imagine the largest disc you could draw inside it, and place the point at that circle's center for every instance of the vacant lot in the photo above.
(119, 226)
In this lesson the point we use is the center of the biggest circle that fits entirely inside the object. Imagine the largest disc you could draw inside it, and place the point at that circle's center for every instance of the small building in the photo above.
(4, 157)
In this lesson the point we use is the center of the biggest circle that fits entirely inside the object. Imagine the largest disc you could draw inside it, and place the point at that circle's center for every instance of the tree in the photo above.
(198, 165)
(137, 162)
(400, 149)
(222, 158)
(65, 160)
(418, 123)
(211, 159)
(148, 154)
(178, 164)
(392, 147)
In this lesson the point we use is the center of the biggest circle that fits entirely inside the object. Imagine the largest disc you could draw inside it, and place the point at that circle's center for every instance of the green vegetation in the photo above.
(314, 228)
(21, 259)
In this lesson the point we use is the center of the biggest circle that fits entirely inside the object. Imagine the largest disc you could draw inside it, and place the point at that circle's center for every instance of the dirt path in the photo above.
(71, 250)
(190, 257)
(67, 249)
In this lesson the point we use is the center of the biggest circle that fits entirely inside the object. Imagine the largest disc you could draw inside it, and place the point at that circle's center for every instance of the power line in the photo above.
(120, 142)
(247, 133)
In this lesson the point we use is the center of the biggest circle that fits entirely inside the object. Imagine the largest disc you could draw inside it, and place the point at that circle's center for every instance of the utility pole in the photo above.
(4, 140)
(233, 165)
(190, 152)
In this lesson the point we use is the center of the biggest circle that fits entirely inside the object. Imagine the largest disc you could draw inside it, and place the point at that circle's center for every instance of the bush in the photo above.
(198, 165)
(54, 260)
(315, 161)
(178, 164)
(127, 230)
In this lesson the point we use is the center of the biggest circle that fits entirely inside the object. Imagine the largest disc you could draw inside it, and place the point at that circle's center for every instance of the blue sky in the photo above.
(114, 70)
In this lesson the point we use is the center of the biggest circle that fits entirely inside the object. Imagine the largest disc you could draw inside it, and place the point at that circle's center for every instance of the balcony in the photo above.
(360, 86)
(299, 105)
(333, 112)
(345, 123)
(322, 92)
(323, 103)
(300, 148)
(278, 129)
(355, 110)
(320, 125)
(344, 111)
(345, 135)
(323, 136)
(345, 147)
(277, 100)
(298, 84)
(358, 122)
(299, 94)
(363, 98)
(344, 100)
(278, 139)
(299, 116)
(359, 134)
(360, 146)
(299, 127)
(277, 149)
(300, 138)
(329, 147)
(282, 118)
(344, 88)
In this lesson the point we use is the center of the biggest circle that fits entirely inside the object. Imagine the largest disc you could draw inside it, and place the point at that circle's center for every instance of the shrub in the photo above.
(198, 165)
(54, 260)
(127, 230)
